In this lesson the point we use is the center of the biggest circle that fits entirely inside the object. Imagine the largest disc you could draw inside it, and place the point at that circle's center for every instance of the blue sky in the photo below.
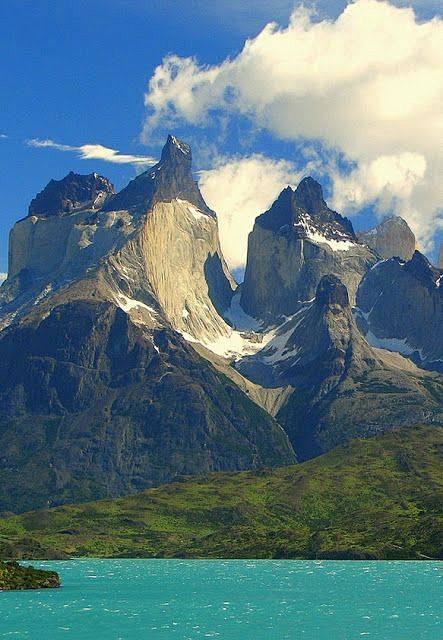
(76, 73)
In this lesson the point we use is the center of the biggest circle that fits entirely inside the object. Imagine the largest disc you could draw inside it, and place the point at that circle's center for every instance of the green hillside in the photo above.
(375, 498)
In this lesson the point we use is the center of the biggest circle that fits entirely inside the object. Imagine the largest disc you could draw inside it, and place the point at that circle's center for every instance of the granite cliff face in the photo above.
(128, 356)
(155, 244)
(400, 308)
(99, 392)
(292, 246)
(390, 238)
(343, 387)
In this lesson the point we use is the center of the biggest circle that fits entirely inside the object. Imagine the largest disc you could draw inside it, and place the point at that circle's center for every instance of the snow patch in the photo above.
(391, 344)
(336, 245)
(238, 344)
(239, 319)
(196, 213)
(178, 144)
(277, 349)
(43, 294)
(312, 233)
(127, 304)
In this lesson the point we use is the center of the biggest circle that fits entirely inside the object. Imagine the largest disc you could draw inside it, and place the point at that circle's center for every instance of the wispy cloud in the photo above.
(93, 152)
(3, 136)
(345, 82)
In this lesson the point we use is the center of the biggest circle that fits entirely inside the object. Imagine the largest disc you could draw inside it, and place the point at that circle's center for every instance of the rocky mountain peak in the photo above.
(402, 304)
(309, 196)
(74, 191)
(176, 151)
(421, 269)
(331, 292)
(303, 213)
(392, 237)
(292, 246)
(169, 179)
(440, 257)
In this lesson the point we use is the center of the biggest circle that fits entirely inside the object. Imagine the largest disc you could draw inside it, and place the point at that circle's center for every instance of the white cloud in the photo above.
(369, 83)
(93, 152)
(239, 189)
(3, 277)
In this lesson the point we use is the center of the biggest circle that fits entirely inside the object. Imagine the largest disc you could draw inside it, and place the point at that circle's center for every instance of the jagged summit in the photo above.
(421, 269)
(309, 196)
(155, 245)
(110, 314)
(176, 150)
(71, 193)
(292, 246)
(169, 179)
(303, 213)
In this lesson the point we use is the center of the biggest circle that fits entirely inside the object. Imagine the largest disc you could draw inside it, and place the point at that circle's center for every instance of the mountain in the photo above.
(400, 308)
(375, 498)
(100, 394)
(440, 257)
(129, 356)
(62, 197)
(171, 178)
(390, 238)
(292, 246)
(343, 387)
(125, 256)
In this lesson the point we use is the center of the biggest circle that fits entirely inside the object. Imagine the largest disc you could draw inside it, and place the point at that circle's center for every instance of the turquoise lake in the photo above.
(230, 599)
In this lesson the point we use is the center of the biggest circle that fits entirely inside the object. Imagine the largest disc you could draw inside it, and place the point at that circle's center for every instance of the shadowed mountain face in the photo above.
(71, 193)
(305, 211)
(292, 246)
(91, 406)
(343, 387)
(400, 307)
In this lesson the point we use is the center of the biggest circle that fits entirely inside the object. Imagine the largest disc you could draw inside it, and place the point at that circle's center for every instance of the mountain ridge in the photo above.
(378, 498)
(129, 355)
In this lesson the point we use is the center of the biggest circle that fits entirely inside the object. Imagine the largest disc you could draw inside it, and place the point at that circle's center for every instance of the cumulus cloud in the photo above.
(368, 83)
(239, 189)
(93, 152)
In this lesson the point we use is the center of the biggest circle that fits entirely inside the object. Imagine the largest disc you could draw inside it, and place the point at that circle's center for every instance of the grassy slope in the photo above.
(381, 497)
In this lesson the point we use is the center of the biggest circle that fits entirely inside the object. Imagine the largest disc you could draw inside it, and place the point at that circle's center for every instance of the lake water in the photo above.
(264, 599)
